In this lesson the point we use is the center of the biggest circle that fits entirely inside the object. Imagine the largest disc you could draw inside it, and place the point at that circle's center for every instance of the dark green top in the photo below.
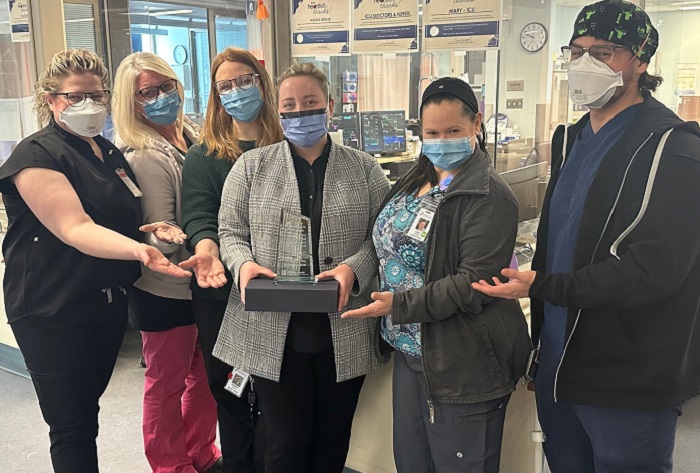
(203, 178)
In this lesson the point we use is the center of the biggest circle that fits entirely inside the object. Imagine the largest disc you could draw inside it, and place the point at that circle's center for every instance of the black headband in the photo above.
(457, 88)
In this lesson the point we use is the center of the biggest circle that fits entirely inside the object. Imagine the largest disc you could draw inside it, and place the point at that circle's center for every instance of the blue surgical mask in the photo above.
(306, 128)
(243, 104)
(448, 153)
(164, 110)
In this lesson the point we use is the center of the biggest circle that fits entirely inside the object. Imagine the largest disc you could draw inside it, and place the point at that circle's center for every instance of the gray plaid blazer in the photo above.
(260, 185)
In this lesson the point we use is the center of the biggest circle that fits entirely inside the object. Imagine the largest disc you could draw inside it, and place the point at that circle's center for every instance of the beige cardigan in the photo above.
(158, 170)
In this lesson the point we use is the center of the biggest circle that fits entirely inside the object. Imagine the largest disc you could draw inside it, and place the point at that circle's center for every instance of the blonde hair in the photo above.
(130, 128)
(63, 65)
(305, 69)
(219, 133)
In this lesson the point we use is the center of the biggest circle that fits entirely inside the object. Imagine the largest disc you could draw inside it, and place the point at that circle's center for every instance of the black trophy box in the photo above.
(290, 296)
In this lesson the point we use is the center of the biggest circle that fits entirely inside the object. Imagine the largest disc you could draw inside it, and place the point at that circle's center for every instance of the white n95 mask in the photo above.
(87, 119)
(592, 82)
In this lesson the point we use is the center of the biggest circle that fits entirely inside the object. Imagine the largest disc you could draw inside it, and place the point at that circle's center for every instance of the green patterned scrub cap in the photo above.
(619, 22)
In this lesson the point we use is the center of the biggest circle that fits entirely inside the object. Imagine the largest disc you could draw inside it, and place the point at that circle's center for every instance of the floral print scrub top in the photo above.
(401, 263)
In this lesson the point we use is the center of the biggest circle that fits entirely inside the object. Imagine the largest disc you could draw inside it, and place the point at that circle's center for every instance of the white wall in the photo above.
(519, 64)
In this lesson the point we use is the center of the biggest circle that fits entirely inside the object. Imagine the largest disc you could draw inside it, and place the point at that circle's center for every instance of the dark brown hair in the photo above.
(649, 82)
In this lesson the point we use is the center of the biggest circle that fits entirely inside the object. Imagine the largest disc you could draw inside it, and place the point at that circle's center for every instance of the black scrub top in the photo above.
(44, 275)
(311, 332)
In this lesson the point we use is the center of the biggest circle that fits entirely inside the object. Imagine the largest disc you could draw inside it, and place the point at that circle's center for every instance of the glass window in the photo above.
(187, 34)
(17, 77)
(392, 82)
(81, 31)
(178, 34)
(231, 31)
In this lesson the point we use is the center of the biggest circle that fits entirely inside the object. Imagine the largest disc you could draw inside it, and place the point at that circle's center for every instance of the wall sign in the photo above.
(320, 28)
(19, 20)
(460, 24)
(381, 26)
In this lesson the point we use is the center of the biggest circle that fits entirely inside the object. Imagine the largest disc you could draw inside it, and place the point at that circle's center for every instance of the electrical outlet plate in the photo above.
(514, 103)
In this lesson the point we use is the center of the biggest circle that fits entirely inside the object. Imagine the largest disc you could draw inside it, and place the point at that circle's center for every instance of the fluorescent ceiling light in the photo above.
(697, 7)
(80, 20)
(675, 4)
(169, 12)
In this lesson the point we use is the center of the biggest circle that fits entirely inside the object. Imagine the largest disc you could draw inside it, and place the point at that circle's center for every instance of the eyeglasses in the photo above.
(149, 94)
(602, 52)
(77, 98)
(244, 81)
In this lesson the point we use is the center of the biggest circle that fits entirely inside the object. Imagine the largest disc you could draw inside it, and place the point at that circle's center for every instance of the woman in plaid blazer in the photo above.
(307, 368)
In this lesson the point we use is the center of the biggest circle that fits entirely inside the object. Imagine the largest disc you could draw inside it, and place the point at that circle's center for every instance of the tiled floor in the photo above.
(24, 439)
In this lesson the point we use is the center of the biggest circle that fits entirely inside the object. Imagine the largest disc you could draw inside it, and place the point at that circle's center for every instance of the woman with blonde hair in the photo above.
(308, 368)
(179, 413)
(71, 251)
(241, 115)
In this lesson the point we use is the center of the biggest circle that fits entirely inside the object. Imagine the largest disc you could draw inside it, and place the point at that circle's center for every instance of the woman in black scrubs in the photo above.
(71, 253)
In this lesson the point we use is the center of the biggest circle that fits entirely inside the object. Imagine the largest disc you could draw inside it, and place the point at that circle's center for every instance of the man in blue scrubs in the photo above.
(615, 282)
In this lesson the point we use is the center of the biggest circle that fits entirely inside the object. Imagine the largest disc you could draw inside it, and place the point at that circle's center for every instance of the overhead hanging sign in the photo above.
(19, 20)
(385, 26)
(320, 28)
(461, 24)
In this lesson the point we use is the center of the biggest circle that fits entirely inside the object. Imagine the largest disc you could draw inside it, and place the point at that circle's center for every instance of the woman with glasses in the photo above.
(241, 115)
(179, 413)
(71, 251)
(308, 368)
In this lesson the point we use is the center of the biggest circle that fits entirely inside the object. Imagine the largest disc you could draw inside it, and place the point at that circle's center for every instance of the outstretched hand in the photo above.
(165, 231)
(154, 259)
(517, 287)
(381, 306)
(208, 269)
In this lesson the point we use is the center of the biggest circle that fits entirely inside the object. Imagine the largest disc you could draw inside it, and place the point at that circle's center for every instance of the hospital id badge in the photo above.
(421, 224)
(128, 182)
(237, 379)
(420, 227)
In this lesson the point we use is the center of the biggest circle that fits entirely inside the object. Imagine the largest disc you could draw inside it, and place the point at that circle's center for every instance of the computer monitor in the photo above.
(350, 124)
(384, 132)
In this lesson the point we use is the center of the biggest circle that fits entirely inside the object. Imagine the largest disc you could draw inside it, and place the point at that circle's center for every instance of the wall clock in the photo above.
(180, 54)
(533, 37)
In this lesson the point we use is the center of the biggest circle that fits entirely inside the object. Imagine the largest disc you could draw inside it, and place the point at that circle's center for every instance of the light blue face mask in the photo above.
(306, 128)
(164, 110)
(243, 104)
(448, 153)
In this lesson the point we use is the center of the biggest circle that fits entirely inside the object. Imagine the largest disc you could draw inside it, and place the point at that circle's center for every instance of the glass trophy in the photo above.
(294, 250)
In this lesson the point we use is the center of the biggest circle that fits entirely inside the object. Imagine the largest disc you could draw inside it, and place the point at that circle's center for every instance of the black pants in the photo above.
(70, 358)
(307, 415)
(236, 428)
